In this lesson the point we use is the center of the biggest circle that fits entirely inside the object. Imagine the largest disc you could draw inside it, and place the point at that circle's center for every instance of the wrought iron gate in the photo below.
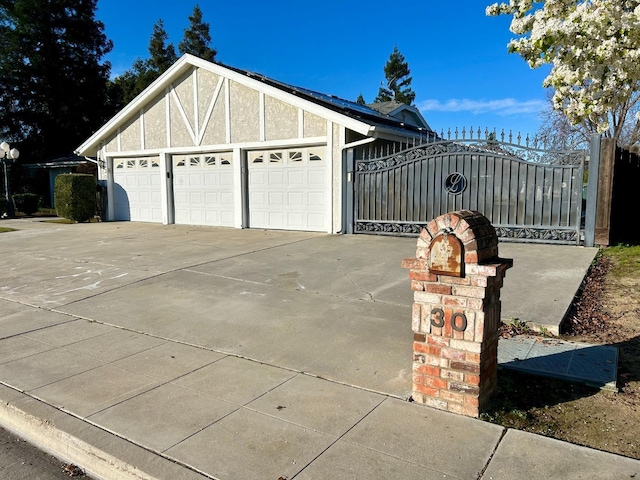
(528, 194)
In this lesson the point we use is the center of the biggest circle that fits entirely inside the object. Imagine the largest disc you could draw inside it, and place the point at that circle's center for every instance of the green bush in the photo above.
(26, 203)
(75, 196)
(3, 205)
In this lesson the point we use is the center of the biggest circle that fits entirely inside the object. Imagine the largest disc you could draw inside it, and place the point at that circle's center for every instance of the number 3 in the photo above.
(458, 320)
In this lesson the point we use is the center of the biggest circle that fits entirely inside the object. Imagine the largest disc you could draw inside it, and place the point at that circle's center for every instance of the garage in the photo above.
(136, 189)
(203, 189)
(212, 145)
(289, 189)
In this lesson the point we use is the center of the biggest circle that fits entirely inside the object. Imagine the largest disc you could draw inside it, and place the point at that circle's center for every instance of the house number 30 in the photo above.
(458, 320)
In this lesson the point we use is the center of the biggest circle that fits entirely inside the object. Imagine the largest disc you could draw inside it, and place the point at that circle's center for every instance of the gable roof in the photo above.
(397, 110)
(362, 119)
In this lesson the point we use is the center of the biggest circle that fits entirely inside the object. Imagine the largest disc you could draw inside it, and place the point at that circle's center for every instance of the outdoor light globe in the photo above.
(14, 153)
(5, 146)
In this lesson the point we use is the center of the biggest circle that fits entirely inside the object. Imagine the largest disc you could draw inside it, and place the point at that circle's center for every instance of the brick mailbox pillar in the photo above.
(456, 277)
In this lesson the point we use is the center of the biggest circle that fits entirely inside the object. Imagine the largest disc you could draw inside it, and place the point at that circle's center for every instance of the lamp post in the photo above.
(8, 156)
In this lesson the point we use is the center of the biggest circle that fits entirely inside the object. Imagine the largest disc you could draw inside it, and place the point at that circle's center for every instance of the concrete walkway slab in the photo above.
(593, 365)
(524, 456)
(544, 279)
(427, 437)
(239, 354)
(249, 445)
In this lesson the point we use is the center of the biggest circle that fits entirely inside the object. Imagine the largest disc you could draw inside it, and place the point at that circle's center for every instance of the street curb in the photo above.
(31, 419)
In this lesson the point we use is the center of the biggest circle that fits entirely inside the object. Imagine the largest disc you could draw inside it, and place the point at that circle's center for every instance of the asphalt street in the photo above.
(20, 460)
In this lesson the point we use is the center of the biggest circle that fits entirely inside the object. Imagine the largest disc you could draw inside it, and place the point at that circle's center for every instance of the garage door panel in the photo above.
(291, 193)
(211, 179)
(295, 177)
(316, 177)
(295, 199)
(226, 199)
(200, 184)
(315, 220)
(137, 194)
(276, 199)
(316, 199)
(226, 179)
(276, 179)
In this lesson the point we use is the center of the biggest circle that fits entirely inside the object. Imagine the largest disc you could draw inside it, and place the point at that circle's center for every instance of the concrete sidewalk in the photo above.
(150, 351)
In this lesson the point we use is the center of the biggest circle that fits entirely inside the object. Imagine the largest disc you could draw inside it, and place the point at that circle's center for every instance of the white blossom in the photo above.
(593, 47)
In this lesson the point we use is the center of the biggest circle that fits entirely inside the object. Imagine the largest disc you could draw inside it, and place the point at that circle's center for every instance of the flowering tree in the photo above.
(593, 47)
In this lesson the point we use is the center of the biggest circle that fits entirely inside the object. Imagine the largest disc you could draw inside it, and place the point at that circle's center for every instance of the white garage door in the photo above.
(137, 189)
(289, 189)
(203, 189)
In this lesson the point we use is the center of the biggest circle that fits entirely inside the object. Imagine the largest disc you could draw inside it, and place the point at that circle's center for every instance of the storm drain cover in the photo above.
(593, 365)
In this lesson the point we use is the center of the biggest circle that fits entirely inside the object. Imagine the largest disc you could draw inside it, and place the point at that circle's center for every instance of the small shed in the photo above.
(209, 144)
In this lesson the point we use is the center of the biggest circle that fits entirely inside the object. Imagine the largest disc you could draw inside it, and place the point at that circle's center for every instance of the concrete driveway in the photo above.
(337, 307)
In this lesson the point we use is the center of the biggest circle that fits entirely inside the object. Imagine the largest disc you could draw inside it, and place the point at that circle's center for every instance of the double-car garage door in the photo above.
(286, 189)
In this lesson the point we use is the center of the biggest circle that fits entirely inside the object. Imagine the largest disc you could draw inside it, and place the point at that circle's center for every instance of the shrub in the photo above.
(26, 203)
(75, 196)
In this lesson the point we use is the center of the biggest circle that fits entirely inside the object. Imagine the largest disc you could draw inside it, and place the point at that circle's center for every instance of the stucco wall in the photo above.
(185, 92)
(111, 144)
(216, 128)
(244, 109)
(130, 135)
(314, 126)
(281, 119)
(155, 124)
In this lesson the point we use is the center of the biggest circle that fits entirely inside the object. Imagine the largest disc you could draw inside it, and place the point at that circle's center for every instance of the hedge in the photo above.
(26, 203)
(75, 196)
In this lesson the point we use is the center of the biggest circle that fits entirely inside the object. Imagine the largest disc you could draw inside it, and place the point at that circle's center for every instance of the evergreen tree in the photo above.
(360, 100)
(398, 88)
(196, 38)
(143, 72)
(54, 83)
(162, 54)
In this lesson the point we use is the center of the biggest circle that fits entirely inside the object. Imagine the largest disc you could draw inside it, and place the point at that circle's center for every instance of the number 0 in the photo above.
(463, 322)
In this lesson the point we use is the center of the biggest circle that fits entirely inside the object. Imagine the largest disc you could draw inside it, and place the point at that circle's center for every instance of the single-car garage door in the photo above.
(289, 189)
(137, 189)
(203, 189)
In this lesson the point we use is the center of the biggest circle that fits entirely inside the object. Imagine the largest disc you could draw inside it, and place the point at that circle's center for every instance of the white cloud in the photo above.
(502, 107)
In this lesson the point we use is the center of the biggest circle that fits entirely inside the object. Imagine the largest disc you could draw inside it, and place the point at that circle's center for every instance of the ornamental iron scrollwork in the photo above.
(521, 233)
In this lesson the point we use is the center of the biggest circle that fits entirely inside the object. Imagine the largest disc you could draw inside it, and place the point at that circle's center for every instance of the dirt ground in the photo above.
(606, 311)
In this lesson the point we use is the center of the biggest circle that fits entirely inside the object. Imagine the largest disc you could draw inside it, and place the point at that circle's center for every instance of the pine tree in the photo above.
(163, 54)
(360, 100)
(143, 72)
(54, 83)
(196, 38)
(396, 72)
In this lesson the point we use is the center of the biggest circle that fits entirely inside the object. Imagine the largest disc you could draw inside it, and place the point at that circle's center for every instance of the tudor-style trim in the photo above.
(227, 108)
(225, 147)
(167, 108)
(187, 62)
(209, 113)
(196, 116)
(263, 133)
(142, 142)
(183, 114)
(300, 123)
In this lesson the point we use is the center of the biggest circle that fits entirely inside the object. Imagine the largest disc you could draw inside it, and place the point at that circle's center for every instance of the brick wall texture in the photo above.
(455, 320)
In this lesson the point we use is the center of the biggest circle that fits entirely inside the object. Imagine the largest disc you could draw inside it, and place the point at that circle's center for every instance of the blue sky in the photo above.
(462, 73)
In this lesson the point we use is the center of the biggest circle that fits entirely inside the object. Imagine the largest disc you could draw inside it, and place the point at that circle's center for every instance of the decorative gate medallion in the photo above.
(455, 183)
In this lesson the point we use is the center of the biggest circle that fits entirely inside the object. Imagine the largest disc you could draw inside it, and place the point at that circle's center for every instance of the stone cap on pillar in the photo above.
(456, 240)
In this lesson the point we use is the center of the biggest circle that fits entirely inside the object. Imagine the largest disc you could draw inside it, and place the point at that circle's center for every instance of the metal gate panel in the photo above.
(527, 194)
